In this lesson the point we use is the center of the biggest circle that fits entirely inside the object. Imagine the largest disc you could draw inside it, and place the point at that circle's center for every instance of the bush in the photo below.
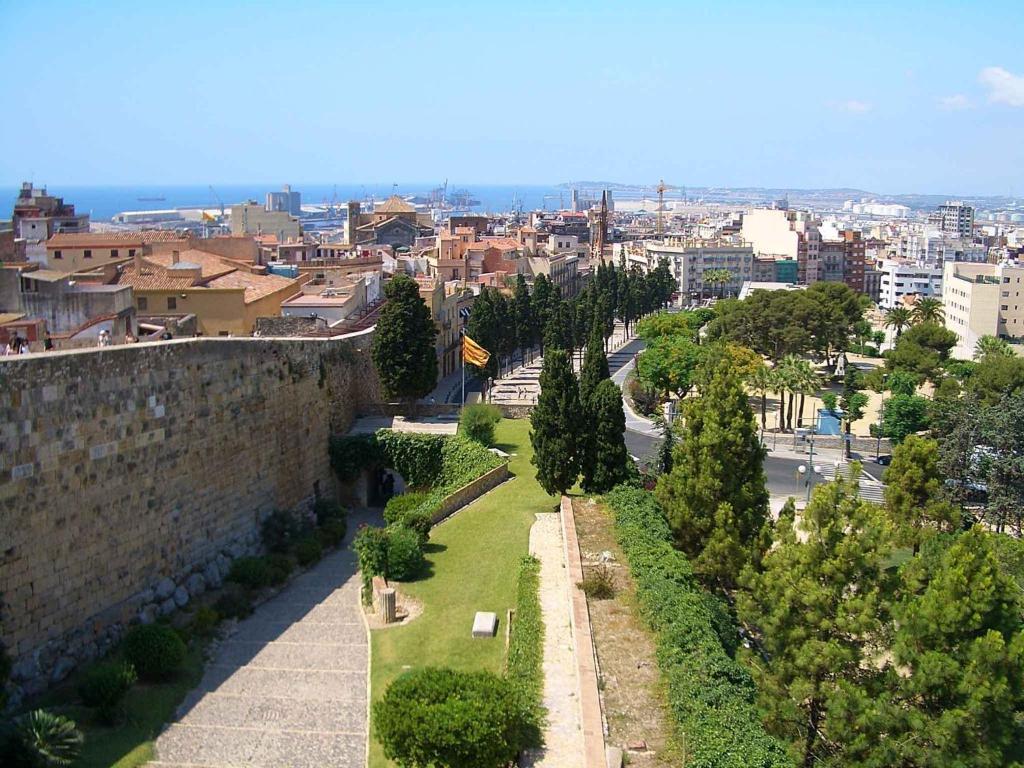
(234, 602)
(405, 553)
(40, 739)
(711, 696)
(332, 532)
(477, 423)
(104, 687)
(598, 583)
(156, 651)
(351, 454)
(463, 461)
(308, 551)
(280, 567)
(399, 506)
(251, 572)
(280, 530)
(421, 522)
(205, 621)
(644, 398)
(371, 547)
(526, 642)
(441, 717)
(327, 509)
(416, 457)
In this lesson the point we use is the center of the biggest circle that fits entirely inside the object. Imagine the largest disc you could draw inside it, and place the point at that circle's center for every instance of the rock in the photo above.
(636, 746)
(167, 607)
(146, 596)
(613, 756)
(148, 614)
(195, 585)
(34, 687)
(164, 589)
(236, 551)
(62, 668)
(26, 669)
(211, 574)
(181, 597)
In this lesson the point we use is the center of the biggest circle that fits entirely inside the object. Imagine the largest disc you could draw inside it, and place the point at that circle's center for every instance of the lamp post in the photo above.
(801, 471)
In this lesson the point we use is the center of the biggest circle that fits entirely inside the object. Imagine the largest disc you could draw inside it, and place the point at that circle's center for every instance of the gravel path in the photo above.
(289, 687)
(563, 734)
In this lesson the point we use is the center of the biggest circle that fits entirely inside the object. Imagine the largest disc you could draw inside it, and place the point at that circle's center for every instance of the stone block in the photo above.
(196, 585)
(164, 589)
(212, 575)
(167, 607)
(485, 624)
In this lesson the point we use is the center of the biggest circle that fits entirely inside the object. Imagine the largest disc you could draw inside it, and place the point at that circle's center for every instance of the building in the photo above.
(787, 234)
(286, 200)
(393, 222)
(904, 278)
(445, 301)
(251, 218)
(841, 259)
(957, 219)
(983, 300)
(689, 260)
(39, 216)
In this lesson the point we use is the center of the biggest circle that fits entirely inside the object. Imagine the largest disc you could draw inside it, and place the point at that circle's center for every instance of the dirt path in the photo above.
(563, 734)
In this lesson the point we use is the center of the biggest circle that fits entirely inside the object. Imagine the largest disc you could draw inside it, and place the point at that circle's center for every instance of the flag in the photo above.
(473, 353)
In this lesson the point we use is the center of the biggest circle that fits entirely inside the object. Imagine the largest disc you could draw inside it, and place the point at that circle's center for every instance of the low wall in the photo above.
(419, 410)
(130, 475)
(467, 493)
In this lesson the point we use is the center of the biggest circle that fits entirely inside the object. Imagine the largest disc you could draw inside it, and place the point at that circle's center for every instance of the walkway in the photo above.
(563, 734)
(289, 687)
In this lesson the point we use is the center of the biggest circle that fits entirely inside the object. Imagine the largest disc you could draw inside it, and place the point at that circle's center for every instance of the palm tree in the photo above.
(762, 381)
(789, 374)
(807, 383)
(897, 318)
(992, 346)
(719, 277)
(928, 310)
(778, 377)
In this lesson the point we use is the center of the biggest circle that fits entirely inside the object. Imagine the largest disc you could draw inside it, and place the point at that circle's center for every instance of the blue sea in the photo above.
(102, 203)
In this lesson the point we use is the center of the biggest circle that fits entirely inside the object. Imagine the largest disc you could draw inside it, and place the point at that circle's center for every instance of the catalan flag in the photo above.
(473, 353)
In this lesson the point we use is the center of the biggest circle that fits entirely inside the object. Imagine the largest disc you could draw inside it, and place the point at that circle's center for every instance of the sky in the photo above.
(890, 97)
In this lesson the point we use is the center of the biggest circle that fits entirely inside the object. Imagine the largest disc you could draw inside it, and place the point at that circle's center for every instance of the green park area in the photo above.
(472, 565)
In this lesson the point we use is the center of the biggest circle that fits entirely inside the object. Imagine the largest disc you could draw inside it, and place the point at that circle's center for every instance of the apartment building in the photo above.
(983, 300)
(903, 278)
(841, 260)
(787, 234)
(251, 218)
(689, 259)
(955, 218)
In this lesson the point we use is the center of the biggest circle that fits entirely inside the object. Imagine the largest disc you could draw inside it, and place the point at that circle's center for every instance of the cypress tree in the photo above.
(403, 348)
(555, 425)
(523, 314)
(482, 327)
(607, 464)
(595, 365)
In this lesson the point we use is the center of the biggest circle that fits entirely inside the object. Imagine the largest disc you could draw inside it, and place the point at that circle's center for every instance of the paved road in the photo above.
(289, 687)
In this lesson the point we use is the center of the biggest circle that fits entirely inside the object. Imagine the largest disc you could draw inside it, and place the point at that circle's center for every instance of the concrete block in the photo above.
(485, 624)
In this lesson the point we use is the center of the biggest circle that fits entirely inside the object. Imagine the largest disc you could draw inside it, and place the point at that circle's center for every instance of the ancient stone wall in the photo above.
(129, 471)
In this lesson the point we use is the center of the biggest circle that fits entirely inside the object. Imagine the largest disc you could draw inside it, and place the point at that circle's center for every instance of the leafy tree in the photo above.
(1003, 462)
(902, 382)
(595, 365)
(441, 718)
(555, 434)
(904, 415)
(669, 364)
(610, 463)
(818, 605)
(995, 376)
(914, 490)
(839, 310)
(928, 310)
(898, 318)
(719, 460)
(661, 324)
(921, 350)
(992, 346)
(404, 344)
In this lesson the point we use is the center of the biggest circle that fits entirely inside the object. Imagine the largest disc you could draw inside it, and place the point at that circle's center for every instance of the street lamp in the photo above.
(801, 471)
(817, 471)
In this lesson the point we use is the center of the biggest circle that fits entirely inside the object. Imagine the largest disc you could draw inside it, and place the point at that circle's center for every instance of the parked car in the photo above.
(885, 459)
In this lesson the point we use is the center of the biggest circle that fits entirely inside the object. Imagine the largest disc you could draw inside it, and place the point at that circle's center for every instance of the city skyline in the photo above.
(792, 96)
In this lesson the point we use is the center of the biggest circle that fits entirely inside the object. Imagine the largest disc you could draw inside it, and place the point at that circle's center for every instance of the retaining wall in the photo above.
(467, 493)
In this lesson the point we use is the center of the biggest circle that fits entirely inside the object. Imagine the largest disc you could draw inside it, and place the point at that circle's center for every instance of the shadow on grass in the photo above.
(432, 548)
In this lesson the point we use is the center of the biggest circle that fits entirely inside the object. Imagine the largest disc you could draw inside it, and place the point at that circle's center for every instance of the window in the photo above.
(113, 253)
(131, 253)
(1004, 307)
(57, 255)
(143, 303)
(172, 302)
(87, 254)
(223, 333)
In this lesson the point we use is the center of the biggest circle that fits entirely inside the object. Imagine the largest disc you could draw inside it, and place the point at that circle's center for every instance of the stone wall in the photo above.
(126, 472)
(467, 493)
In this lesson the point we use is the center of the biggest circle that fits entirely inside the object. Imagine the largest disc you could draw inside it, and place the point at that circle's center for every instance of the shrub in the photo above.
(441, 717)
(104, 687)
(711, 696)
(327, 509)
(405, 553)
(333, 531)
(371, 547)
(41, 739)
(205, 621)
(644, 398)
(234, 602)
(251, 572)
(598, 583)
(280, 567)
(416, 457)
(351, 454)
(280, 530)
(399, 506)
(156, 651)
(308, 551)
(526, 642)
(421, 522)
(463, 462)
(477, 423)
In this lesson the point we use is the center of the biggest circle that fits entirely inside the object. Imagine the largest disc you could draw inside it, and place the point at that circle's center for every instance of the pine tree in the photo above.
(668, 443)
(403, 348)
(595, 365)
(913, 491)
(608, 464)
(555, 425)
(719, 459)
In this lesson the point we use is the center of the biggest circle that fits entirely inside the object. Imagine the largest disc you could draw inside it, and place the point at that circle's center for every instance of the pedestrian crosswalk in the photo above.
(868, 488)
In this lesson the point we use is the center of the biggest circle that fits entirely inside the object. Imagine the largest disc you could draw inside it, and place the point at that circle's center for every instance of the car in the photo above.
(885, 459)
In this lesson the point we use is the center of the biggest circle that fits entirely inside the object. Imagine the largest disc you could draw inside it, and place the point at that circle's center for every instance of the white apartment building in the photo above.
(932, 247)
(983, 300)
(955, 218)
(689, 259)
(902, 278)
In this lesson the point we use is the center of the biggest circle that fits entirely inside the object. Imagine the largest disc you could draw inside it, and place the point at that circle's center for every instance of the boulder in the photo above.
(164, 589)
(148, 613)
(181, 597)
(167, 607)
(62, 668)
(211, 574)
(195, 585)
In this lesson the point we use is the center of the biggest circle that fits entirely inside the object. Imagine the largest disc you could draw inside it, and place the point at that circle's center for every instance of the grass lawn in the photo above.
(473, 563)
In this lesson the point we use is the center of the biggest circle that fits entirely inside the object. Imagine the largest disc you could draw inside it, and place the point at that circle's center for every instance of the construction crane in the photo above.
(215, 196)
(661, 207)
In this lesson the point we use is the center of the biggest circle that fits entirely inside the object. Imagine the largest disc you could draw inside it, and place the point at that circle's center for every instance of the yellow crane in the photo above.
(661, 206)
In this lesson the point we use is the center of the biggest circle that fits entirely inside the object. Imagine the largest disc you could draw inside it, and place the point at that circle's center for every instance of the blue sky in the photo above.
(890, 97)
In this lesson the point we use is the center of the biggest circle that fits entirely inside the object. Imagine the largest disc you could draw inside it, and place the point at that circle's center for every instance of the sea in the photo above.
(103, 202)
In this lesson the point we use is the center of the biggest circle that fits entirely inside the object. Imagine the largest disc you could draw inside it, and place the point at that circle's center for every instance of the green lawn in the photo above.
(473, 563)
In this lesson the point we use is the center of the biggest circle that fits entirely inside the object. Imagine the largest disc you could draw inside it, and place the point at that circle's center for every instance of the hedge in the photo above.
(526, 644)
(711, 695)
